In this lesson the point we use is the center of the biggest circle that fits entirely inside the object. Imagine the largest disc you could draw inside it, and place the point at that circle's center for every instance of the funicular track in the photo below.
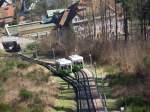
(83, 101)
(96, 97)
(80, 83)
(85, 97)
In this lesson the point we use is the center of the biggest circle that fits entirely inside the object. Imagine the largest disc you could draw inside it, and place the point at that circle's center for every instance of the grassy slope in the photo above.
(16, 75)
(65, 101)
(112, 103)
(12, 69)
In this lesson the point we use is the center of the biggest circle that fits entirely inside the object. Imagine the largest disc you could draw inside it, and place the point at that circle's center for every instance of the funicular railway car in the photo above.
(11, 44)
(77, 62)
(64, 66)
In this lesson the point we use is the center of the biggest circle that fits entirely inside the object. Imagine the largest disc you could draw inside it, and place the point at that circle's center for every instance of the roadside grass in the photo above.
(109, 76)
(65, 101)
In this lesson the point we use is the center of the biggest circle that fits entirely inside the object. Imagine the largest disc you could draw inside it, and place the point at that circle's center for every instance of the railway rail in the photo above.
(83, 99)
(87, 96)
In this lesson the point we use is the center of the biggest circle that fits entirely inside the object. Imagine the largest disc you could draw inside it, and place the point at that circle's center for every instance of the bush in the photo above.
(37, 108)
(32, 46)
(25, 94)
(5, 108)
(4, 74)
(138, 109)
(143, 67)
(1, 91)
(125, 80)
(37, 105)
(22, 65)
(11, 64)
(38, 76)
(132, 101)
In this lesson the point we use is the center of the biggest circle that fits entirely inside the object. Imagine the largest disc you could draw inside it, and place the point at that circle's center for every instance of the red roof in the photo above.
(7, 14)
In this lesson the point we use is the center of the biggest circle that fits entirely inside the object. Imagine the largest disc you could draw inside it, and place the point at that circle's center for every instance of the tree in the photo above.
(125, 14)
(116, 20)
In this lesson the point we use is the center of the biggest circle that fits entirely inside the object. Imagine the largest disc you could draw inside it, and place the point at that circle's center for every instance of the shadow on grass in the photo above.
(66, 97)
(64, 109)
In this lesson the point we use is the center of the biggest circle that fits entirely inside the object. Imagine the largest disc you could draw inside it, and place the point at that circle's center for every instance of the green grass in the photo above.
(5, 108)
(107, 90)
(131, 103)
(111, 103)
(65, 101)
(2, 53)
(25, 94)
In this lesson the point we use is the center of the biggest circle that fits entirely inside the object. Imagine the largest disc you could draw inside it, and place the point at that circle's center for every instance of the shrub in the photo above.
(32, 46)
(131, 101)
(25, 94)
(1, 91)
(134, 104)
(125, 80)
(37, 108)
(38, 76)
(143, 67)
(138, 109)
(11, 64)
(4, 74)
(37, 105)
(5, 108)
(22, 65)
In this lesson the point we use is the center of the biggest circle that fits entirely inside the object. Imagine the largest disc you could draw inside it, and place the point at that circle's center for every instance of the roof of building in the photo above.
(4, 3)
(28, 28)
(76, 58)
(9, 38)
(7, 12)
(63, 62)
(50, 13)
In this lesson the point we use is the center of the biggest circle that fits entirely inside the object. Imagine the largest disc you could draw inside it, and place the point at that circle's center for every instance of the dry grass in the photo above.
(45, 91)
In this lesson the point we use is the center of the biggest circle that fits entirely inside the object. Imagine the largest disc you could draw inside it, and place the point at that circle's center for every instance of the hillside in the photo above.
(26, 87)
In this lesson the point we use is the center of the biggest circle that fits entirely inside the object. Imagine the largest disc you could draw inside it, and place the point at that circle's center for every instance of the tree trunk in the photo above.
(125, 11)
(144, 21)
(116, 29)
(94, 24)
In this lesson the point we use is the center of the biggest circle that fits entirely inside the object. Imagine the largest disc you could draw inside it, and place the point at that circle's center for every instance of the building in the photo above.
(7, 12)
(50, 13)
(4, 3)
(103, 24)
